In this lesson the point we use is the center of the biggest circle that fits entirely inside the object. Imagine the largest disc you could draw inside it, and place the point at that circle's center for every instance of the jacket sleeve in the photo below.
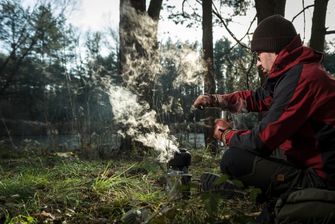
(291, 107)
(246, 101)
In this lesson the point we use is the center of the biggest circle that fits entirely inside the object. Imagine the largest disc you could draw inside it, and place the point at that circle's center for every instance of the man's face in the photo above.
(265, 61)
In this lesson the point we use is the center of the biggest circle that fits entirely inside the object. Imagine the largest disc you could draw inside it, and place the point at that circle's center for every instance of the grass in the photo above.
(49, 188)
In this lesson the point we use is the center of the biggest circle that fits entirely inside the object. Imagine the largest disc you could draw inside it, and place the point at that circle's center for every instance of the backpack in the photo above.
(306, 206)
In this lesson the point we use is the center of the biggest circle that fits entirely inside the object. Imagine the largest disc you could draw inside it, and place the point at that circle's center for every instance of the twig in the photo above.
(182, 8)
(303, 10)
(252, 22)
(249, 69)
(330, 32)
(303, 6)
(215, 11)
(8, 132)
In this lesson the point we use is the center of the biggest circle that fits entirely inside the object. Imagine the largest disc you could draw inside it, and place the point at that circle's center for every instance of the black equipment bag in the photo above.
(306, 206)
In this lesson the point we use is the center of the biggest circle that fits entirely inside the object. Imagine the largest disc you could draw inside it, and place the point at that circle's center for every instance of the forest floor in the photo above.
(45, 187)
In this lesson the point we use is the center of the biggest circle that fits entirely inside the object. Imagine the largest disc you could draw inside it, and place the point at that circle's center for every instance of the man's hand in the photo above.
(206, 100)
(213, 100)
(221, 129)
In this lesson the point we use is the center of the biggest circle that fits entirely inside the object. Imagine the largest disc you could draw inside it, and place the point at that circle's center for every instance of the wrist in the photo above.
(215, 100)
(224, 135)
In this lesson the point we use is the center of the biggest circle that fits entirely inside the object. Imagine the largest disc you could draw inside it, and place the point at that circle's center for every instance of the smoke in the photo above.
(142, 65)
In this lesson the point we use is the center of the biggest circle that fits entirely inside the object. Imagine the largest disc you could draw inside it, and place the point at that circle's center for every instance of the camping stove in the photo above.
(178, 177)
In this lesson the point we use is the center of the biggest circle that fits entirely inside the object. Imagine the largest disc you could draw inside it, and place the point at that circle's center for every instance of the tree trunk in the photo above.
(207, 44)
(266, 8)
(133, 48)
(122, 26)
(317, 40)
(125, 43)
(139, 5)
(154, 9)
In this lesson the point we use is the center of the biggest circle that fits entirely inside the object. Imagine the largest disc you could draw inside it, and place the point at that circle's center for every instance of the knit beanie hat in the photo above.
(273, 34)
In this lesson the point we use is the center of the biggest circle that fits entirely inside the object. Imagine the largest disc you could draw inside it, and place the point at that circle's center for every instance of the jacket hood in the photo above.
(294, 53)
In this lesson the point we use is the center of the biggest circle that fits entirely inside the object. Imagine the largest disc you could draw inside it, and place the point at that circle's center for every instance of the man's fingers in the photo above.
(199, 102)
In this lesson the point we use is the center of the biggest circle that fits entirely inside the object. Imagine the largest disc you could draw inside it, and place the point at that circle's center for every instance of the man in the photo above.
(299, 97)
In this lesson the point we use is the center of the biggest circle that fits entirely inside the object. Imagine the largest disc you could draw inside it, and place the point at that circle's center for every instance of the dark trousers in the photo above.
(273, 176)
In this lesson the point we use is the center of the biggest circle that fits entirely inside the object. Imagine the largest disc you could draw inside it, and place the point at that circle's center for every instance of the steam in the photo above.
(167, 107)
(141, 59)
(142, 66)
(189, 65)
(141, 122)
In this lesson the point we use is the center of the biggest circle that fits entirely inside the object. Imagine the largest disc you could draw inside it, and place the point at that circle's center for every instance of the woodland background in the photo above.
(81, 130)
(49, 90)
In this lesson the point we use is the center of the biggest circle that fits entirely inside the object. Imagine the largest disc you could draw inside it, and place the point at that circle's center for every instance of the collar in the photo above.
(294, 53)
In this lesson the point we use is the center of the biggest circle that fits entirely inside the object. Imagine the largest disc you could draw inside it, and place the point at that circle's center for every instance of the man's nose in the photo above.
(259, 63)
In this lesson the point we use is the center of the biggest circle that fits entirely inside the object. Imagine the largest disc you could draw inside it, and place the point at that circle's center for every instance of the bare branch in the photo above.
(182, 8)
(252, 22)
(250, 68)
(303, 6)
(302, 11)
(330, 32)
(215, 11)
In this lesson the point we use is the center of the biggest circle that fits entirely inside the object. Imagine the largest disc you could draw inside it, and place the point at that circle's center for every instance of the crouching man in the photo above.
(299, 99)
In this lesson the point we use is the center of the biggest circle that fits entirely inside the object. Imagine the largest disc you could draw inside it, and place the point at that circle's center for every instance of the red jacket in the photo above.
(299, 97)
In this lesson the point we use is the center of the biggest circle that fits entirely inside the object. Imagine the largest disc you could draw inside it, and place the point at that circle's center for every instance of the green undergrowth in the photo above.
(61, 188)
